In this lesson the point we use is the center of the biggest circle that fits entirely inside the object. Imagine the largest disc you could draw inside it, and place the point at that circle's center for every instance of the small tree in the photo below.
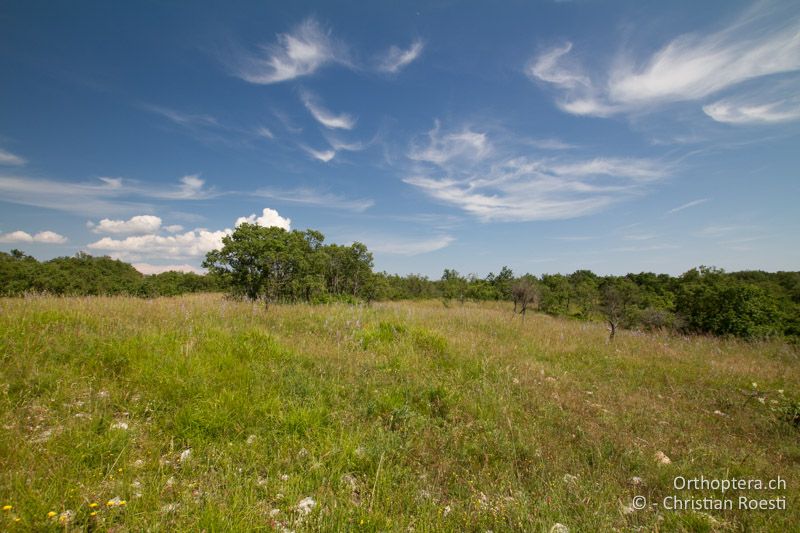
(617, 299)
(525, 293)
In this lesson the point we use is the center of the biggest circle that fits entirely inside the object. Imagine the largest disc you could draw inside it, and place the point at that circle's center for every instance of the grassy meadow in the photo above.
(200, 413)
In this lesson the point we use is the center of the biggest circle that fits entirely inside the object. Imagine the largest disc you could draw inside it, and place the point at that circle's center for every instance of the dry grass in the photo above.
(395, 417)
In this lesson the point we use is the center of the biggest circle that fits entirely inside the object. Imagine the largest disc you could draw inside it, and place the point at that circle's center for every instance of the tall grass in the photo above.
(202, 413)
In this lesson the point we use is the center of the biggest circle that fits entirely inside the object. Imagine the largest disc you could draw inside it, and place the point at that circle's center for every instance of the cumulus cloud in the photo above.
(493, 182)
(396, 59)
(134, 225)
(150, 269)
(43, 237)
(269, 218)
(323, 116)
(193, 243)
(7, 158)
(298, 53)
(189, 244)
(762, 42)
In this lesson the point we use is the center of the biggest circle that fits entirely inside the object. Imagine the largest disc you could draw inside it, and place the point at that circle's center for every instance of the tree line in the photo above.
(85, 275)
(273, 265)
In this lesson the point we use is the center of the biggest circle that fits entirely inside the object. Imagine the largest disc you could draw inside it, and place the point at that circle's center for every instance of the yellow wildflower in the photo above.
(93, 513)
(8, 507)
(51, 514)
(93, 505)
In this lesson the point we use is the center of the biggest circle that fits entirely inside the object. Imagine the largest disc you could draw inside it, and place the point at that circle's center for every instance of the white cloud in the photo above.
(760, 43)
(7, 158)
(409, 246)
(137, 224)
(104, 196)
(322, 155)
(43, 237)
(307, 196)
(265, 132)
(174, 228)
(550, 144)
(323, 116)
(190, 244)
(738, 111)
(443, 148)
(193, 243)
(298, 53)
(492, 182)
(149, 269)
(687, 205)
(396, 59)
(548, 67)
(269, 218)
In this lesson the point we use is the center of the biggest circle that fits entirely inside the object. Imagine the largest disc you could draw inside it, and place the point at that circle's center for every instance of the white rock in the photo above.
(662, 458)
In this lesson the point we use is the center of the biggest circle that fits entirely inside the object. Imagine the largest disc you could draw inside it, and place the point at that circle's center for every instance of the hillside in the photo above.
(199, 412)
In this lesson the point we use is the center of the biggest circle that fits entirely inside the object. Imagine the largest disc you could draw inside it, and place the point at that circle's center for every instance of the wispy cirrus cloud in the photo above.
(7, 158)
(441, 148)
(396, 59)
(493, 182)
(103, 196)
(321, 155)
(210, 130)
(300, 52)
(754, 110)
(325, 117)
(763, 41)
(408, 246)
(687, 205)
(307, 196)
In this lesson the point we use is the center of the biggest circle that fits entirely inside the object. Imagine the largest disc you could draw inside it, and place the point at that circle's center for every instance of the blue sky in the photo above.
(546, 136)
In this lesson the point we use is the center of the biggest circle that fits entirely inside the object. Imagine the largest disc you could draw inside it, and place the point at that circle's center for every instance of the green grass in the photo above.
(393, 417)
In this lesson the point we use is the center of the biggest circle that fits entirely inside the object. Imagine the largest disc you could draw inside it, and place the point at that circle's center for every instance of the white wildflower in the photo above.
(559, 528)
(446, 510)
(251, 439)
(120, 424)
(636, 481)
(569, 479)
(185, 455)
(306, 505)
(284, 477)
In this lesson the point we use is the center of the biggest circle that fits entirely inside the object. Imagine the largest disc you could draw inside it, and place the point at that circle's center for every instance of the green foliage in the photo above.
(85, 275)
(275, 265)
